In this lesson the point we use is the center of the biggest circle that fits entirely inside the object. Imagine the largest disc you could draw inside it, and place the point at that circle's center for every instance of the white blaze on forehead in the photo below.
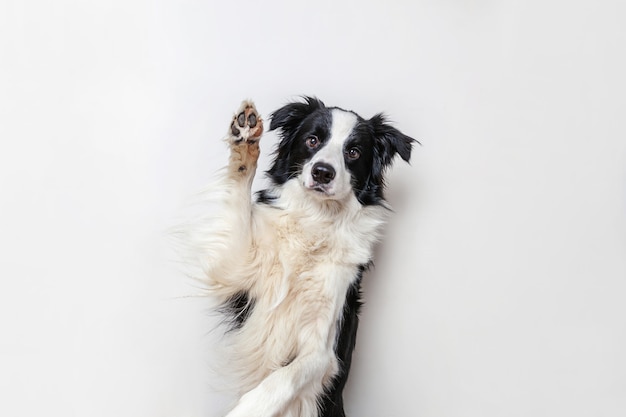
(342, 124)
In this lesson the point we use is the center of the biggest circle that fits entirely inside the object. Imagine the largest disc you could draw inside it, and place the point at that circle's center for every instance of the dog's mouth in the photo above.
(319, 189)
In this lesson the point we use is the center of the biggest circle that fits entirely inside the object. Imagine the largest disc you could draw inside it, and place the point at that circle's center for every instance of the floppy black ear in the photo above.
(289, 117)
(390, 140)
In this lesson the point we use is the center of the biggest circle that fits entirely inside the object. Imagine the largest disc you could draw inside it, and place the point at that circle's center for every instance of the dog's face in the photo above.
(334, 152)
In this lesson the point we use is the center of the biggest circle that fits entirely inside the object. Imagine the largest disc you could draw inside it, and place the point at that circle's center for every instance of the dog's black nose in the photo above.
(323, 173)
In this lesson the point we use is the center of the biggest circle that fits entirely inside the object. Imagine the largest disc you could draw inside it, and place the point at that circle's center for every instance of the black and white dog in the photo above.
(287, 267)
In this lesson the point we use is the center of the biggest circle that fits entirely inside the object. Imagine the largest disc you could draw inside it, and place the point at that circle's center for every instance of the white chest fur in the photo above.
(304, 256)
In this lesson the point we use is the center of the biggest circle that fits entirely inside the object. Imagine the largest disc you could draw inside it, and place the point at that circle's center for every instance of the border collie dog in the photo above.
(286, 267)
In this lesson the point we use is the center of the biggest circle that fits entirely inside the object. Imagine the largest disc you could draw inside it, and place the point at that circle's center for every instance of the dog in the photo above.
(286, 267)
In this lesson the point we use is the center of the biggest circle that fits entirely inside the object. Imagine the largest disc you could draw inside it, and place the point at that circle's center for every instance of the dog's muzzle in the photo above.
(323, 179)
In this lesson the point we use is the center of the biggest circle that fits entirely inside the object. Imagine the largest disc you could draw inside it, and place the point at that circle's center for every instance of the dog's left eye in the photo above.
(353, 154)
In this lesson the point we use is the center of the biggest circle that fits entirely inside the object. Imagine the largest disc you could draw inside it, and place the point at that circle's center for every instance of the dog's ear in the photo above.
(289, 117)
(390, 140)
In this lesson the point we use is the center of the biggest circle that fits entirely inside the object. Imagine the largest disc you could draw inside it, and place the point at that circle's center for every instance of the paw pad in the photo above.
(247, 124)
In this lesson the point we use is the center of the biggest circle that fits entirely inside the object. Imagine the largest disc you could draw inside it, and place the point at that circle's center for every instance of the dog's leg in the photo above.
(229, 237)
(313, 366)
(281, 387)
(244, 134)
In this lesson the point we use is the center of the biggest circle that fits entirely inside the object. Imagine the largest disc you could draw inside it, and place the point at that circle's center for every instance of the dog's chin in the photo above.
(323, 193)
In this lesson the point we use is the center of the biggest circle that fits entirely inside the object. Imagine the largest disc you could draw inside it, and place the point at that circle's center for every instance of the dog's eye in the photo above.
(353, 154)
(312, 142)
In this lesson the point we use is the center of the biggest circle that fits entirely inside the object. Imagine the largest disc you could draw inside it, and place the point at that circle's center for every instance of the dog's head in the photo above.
(333, 152)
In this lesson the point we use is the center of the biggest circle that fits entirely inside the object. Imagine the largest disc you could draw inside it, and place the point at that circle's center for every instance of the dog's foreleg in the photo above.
(243, 138)
(230, 236)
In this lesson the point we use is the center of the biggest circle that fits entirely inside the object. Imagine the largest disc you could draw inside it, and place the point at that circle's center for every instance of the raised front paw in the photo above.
(247, 125)
(243, 138)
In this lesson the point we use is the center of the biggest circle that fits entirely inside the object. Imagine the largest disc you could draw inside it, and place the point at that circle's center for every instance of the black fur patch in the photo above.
(265, 197)
(331, 403)
(237, 309)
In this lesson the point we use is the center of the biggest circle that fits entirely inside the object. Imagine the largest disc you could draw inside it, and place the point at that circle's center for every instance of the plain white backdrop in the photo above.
(499, 289)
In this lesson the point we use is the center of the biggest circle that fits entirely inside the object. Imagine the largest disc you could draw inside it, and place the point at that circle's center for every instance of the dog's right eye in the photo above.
(312, 142)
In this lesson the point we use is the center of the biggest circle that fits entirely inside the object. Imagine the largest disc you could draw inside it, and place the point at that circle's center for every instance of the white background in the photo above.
(499, 289)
